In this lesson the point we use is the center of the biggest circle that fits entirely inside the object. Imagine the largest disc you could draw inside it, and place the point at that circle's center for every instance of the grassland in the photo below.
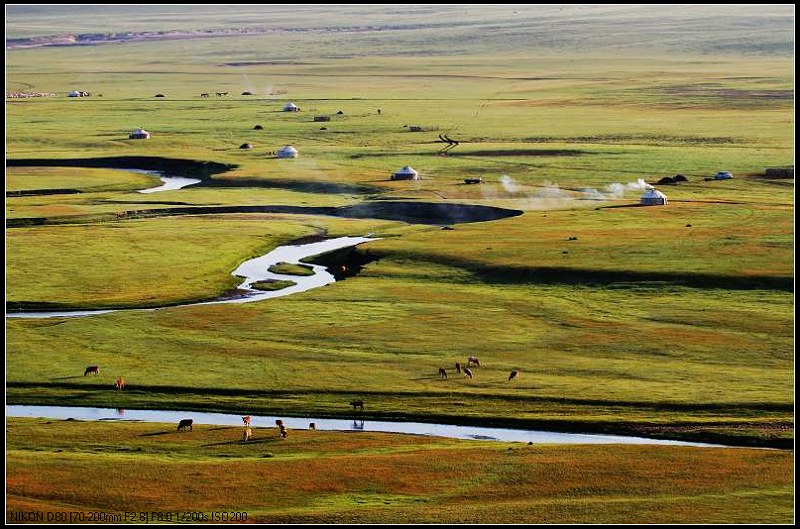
(669, 321)
(292, 269)
(328, 477)
(273, 284)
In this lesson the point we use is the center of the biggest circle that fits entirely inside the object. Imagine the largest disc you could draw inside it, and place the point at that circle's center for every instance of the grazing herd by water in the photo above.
(283, 433)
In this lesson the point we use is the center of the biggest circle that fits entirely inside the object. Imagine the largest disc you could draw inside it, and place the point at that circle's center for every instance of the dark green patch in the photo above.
(270, 285)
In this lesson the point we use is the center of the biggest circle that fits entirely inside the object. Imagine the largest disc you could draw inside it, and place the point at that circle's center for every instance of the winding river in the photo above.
(251, 271)
(300, 423)
(170, 183)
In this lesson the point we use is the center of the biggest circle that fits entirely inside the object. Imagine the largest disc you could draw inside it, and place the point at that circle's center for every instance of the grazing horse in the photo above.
(92, 370)
(513, 375)
(442, 373)
(473, 360)
(185, 423)
(467, 372)
(357, 404)
(203, 95)
(119, 384)
(312, 426)
(246, 420)
(248, 433)
(458, 367)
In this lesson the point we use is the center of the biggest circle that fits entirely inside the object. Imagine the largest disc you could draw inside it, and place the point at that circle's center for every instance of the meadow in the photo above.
(671, 321)
(319, 477)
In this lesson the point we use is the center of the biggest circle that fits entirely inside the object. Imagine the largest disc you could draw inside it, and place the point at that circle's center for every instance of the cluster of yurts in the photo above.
(287, 151)
(651, 196)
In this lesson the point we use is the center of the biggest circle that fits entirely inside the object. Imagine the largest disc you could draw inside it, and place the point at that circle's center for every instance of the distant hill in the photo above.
(426, 30)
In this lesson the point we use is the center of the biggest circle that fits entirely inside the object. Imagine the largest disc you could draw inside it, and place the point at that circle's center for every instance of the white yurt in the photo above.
(291, 107)
(406, 173)
(654, 197)
(288, 152)
(139, 134)
(74, 93)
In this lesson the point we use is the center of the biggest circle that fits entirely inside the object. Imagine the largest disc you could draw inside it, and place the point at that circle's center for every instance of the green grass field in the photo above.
(669, 321)
(326, 477)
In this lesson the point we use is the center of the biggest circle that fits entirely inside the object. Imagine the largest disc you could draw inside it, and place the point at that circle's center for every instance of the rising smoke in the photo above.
(550, 196)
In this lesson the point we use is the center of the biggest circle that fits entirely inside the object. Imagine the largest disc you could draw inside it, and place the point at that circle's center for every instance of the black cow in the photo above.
(357, 404)
(185, 423)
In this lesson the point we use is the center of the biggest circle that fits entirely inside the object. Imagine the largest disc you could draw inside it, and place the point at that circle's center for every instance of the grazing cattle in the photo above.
(442, 373)
(119, 384)
(284, 432)
(248, 433)
(279, 423)
(458, 367)
(246, 420)
(92, 370)
(185, 423)
(379, 111)
(203, 95)
(473, 360)
(513, 375)
(357, 404)
(312, 426)
(467, 372)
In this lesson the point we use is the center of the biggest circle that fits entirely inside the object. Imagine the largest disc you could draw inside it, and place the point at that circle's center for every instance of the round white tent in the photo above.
(74, 93)
(139, 134)
(291, 107)
(654, 197)
(406, 173)
(288, 152)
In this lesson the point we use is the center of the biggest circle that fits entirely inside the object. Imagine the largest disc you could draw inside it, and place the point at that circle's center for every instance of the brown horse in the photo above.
(119, 384)
(246, 420)
(248, 433)
(185, 423)
(442, 373)
(92, 370)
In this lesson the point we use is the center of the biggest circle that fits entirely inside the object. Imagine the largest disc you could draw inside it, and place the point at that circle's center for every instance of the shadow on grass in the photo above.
(238, 441)
(410, 212)
(155, 434)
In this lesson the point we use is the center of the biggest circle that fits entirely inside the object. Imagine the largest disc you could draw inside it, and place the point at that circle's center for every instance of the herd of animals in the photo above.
(247, 434)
